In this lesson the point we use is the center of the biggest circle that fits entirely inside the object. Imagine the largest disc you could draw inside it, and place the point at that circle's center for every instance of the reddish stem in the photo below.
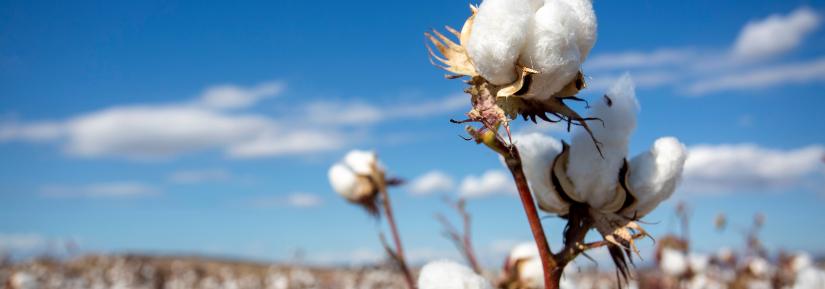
(399, 250)
(552, 274)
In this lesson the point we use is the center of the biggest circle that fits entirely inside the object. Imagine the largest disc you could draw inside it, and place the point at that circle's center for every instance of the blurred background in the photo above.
(206, 128)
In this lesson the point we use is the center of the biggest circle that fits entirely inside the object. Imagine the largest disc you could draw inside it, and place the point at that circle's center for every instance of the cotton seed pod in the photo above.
(357, 178)
(445, 274)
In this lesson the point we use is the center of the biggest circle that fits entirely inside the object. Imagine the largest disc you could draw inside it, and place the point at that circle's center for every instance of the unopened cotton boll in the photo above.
(538, 152)
(498, 35)
(673, 262)
(596, 177)
(654, 174)
(552, 49)
(445, 274)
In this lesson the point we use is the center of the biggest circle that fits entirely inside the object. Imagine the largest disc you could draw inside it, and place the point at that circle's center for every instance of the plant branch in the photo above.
(513, 160)
(463, 242)
(399, 250)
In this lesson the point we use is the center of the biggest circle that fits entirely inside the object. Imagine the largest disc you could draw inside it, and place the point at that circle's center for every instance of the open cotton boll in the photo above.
(498, 34)
(361, 162)
(801, 261)
(551, 49)
(809, 278)
(698, 263)
(759, 267)
(654, 174)
(526, 256)
(594, 177)
(537, 155)
(585, 24)
(673, 262)
(445, 274)
(343, 181)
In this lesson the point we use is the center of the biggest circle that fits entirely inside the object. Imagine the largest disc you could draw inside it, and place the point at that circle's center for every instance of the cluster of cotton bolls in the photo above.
(134, 272)
(610, 185)
(552, 37)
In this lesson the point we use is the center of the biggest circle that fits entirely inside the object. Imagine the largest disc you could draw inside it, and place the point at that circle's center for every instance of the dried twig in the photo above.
(463, 242)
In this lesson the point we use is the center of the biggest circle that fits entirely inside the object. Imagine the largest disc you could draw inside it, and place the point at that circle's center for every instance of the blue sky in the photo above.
(206, 127)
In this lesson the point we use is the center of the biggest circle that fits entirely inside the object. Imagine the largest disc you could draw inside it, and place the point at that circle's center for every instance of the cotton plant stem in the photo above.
(549, 265)
(399, 250)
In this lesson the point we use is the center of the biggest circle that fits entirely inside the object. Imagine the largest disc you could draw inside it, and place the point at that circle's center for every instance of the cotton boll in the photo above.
(529, 271)
(809, 278)
(585, 24)
(552, 49)
(759, 267)
(361, 162)
(673, 262)
(698, 263)
(445, 274)
(654, 174)
(537, 155)
(800, 262)
(343, 181)
(498, 35)
(594, 177)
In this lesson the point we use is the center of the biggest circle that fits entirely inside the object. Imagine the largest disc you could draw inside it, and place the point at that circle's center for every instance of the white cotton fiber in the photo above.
(525, 255)
(361, 162)
(538, 152)
(585, 24)
(552, 49)
(343, 181)
(654, 174)
(594, 177)
(498, 35)
(673, 262)
(698, 263)
(445, 274)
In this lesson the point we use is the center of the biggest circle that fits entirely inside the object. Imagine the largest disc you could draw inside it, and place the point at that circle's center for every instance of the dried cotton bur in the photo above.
(523, 58)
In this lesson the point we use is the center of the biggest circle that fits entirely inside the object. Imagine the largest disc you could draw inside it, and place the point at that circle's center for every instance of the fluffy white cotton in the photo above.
(698, 263)
(361, 162)
(552, 49)
(654, 174)
(800, 262)
(809, 278)
(498, 35)
(538, 152)
(343, 181)
(594, 177)
(445, 274)
(759, 267)
(585, 24)
(526, 256)
(673, 263)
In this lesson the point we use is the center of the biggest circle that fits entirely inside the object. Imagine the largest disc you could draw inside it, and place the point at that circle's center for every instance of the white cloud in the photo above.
(748, 167)
(232, 96)
(126, 189)
(431, 182)
(638, 59)
(776, 34)
(796, 73)
(492, 182)
(199, 176)
(287, 143)
(21, 242)
(745, 65)
(359, 113)
(294, 200)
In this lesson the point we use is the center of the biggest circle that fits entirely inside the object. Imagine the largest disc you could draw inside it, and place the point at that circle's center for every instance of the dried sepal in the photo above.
(620, 232)
(558, 177)
(454, 57)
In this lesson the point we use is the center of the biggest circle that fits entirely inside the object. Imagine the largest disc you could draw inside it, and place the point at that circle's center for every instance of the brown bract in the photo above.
(495, 105)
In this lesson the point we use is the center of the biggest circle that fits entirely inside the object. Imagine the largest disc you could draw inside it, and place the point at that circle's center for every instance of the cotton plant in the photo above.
(523, 58)
(361, 179)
